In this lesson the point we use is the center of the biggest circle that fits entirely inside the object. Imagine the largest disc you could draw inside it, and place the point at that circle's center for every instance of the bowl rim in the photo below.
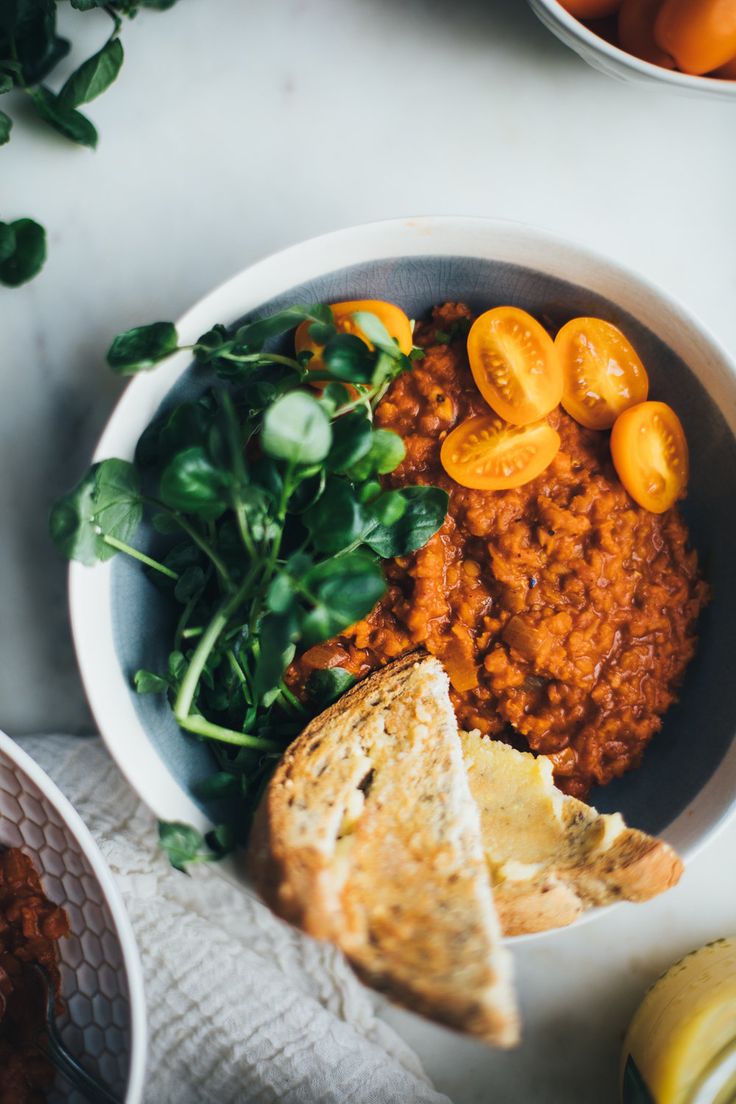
(124, 929)
(104, 681)
(692, 82)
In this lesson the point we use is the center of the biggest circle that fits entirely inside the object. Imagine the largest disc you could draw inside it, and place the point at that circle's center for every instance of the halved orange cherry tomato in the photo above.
(601, 372)
(487, 454)
(636, 32)
(515, 365)
(393, 318)
(591, 9)
(699, 34)
(650, 454)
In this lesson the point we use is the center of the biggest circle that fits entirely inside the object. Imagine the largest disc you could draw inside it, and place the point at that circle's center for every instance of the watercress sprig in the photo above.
(30, 50)
(272, 521)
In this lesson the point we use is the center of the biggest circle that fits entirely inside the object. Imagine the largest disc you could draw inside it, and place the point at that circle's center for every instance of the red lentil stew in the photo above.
(30, 927)
(564, 612)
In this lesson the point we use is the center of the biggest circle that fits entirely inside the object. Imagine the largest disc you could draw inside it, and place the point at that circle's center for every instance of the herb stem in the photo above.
(264, 358)
(202, 727)
(122, 547)
(199, 540)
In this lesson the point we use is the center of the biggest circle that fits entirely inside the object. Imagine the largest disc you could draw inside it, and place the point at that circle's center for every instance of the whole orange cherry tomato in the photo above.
(591, 9)
(727, 71)
(699, 34)
(650, 454)
(393, 318)
(636, 32)
(514, 365)
(488, 454)
(601, 372)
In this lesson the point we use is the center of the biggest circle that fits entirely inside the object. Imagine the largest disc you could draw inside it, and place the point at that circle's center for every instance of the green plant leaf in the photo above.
(348, 358)
(6, 81)
(117, 499)
(7, 241)
(296, 428)
(146, 682)
(182, 843)
(253, 335)
(66, 121)
(142, 348)
(192, 484)
(189, 584)
(385, 454)
(93, 76)
(277, 634)
(374, 329)
(106, 502)
(6, 125)
(326, 686)
(336, 519)
(218, 785)
(28, 253)
(346, 588)
(72, 527)
(351, 439)
(425, 512)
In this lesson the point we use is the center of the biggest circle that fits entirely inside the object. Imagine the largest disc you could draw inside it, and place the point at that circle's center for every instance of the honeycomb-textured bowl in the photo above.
(102, 983)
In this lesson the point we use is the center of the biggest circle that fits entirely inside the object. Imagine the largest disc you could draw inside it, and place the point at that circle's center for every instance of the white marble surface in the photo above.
(240, 126)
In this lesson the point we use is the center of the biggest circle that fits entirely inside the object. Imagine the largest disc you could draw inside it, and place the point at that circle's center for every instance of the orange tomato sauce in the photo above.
(564, 613)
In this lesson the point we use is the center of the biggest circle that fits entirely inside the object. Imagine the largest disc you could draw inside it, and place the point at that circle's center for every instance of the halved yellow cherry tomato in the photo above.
(650, 454)
(515, 365)
(488, 454)
(393, 318)
(602, 375)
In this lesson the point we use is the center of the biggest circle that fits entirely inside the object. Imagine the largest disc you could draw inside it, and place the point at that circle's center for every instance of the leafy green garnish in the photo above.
(30, 50)
(22, 251)
(185, 845)
(267, 500)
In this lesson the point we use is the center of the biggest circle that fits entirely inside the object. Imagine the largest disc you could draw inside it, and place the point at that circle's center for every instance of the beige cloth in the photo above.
(240, 1006)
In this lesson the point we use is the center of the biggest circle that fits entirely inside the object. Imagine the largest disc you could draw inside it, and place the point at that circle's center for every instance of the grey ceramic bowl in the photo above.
(687, 784)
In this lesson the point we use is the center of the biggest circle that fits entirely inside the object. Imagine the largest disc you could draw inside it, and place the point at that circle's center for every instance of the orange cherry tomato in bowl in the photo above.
(699, 34)
(393, 318)
(602, 375)
(487, 454)
(591, 9)
(636, 32)
(515, 365)
(650, 455)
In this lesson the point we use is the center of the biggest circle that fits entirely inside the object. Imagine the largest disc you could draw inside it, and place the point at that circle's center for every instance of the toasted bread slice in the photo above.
(368, 836)
(551, 856)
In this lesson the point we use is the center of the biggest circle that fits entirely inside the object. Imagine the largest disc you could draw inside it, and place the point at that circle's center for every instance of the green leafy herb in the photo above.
(142, 348)
(66, 120)
(185, 845)
(93, 76)
(30, 50)
(22, 251)
(267, 501)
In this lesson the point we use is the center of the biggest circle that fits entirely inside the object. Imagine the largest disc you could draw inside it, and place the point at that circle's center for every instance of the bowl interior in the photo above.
(96, 1025)
(698, 730)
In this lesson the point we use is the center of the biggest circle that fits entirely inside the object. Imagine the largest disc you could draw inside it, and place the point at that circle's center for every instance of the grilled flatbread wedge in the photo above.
(551, 856)
(368, 836)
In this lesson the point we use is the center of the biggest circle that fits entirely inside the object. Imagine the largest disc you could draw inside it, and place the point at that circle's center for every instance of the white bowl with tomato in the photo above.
(687, 45)
(686, 786)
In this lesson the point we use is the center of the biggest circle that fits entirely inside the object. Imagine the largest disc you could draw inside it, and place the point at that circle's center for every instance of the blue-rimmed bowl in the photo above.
(686, 786)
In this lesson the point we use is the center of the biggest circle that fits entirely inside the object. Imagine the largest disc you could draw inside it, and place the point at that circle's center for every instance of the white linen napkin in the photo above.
(241, 1007)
